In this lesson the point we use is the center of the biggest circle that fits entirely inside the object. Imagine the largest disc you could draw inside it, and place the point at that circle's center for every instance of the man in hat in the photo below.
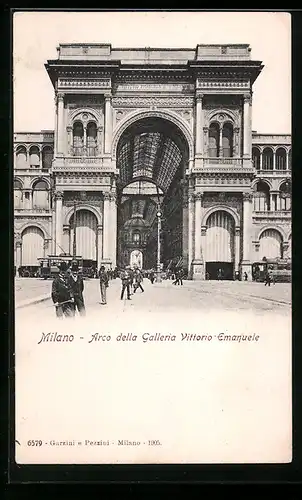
(76, 283)
(62, 295)
(104, 282)
(126, 280)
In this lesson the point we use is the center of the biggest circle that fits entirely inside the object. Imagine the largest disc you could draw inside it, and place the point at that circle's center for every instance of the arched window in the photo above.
(47, 156)
(34, 157)
(227, 140)
(280, 159)
(267, 159)
(91, 139)
(256, 158)
(214, 140)
(40, 195)
(270, 244)
(262, 197)
(285, 196)
(78, 138)
(17, 194)
(21, 157)
(290, 159)
(136, 237)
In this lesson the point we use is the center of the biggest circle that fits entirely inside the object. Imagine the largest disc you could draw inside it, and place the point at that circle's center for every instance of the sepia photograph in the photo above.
(152, 237)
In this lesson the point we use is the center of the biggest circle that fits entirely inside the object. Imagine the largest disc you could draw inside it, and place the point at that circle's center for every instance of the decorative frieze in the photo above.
(222, 84)
(71, 83)
(147, 102)
(155, 87)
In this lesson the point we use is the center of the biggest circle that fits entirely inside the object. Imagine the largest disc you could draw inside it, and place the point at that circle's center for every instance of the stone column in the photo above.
(220, 141)
(287, 160)
(237, 248)
(191, 202)
(199, 125)
(270, 201)
(99, 140)
(60, 142)
(274, 160)
(236, 142)
(198, 267)
(59, 221)
(18, 262)
(46, 247)
(205, 141)
(108, 123)
(53, 231)
(261, 160)
(106, 226)
(85, 137)
(70, 140)
(247, 126)
(99, 246)
(247, 225)
(198, 198)
(113, 225)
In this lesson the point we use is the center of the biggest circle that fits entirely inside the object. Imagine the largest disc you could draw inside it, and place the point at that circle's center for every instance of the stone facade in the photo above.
(194, 107)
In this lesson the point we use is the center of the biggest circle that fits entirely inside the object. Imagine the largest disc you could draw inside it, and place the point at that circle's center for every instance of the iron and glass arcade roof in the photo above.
(151, 149)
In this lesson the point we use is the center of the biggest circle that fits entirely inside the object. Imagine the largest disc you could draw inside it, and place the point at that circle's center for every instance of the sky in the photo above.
(37, 34)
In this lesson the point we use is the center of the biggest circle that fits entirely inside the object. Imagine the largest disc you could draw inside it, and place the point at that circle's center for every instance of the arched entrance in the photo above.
(220, 246)
(86, 236)
(136, 259)
(32, 246)
(270, 244)
(152, 156)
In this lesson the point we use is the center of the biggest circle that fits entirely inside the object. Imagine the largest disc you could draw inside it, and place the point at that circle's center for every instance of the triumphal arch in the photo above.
(142, 129)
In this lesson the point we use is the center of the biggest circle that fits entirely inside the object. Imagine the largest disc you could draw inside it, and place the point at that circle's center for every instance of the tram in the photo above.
(50, 265)
(280, 270)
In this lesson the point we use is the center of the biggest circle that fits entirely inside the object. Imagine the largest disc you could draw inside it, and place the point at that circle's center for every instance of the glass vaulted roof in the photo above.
(150, 149)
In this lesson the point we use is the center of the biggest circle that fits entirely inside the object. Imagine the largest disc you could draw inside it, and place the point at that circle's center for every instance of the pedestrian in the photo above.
(267, 280)
(76, 284)
(245, 276)
(138, 279)
(104, 283)
(178, 277)
(126, 280)
(62, 295)
(152, 276)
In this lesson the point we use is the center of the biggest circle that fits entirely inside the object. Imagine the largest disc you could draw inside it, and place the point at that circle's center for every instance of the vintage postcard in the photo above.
(152, 237)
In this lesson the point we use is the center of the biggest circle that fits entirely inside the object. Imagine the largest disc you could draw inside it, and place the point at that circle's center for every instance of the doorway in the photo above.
(226, 268)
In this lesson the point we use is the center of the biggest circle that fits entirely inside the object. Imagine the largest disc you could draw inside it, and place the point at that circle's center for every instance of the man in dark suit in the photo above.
(138, 279)
(104, 282)
(76, 283)
(62, 295)
(126, 280)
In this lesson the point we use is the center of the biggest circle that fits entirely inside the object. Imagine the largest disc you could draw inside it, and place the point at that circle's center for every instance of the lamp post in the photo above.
(158, 270)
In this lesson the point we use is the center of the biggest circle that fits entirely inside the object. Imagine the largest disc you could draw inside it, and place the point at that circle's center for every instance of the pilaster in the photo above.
(60, 107)
(108, 123)
(247, 230)
(59, 221)
(247, 126)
